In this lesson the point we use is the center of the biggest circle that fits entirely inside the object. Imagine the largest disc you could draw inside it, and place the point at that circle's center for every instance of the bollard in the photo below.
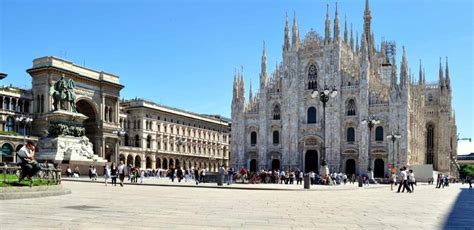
(306, 182)
(360, 181)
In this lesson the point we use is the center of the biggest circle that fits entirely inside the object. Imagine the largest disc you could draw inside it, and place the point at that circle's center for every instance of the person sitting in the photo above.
(26, 160)
(68, 172)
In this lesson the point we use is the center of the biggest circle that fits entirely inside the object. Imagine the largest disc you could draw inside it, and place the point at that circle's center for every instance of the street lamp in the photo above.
(324, 96)
(370, 121)
(120, 133)
(393, 137)
(24, 121)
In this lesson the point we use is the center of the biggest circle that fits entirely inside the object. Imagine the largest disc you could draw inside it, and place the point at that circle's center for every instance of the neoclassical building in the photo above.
(283, 126)
(139, 132)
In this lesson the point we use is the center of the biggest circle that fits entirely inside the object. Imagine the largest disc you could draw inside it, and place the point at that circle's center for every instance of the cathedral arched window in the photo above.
(430, 97)
(276, 112)
(312, 77)
(350, 134)
(311, 115)
(137, 141)
(351, 108)
(276, 137)
(379, 133)
(253, 138)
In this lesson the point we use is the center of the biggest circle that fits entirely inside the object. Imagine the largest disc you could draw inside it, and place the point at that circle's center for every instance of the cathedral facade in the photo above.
(286, 125)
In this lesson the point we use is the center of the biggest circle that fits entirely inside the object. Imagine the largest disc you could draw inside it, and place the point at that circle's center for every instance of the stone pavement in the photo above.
(95, 206)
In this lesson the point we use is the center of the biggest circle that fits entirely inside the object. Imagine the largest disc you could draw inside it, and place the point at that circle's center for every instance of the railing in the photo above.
(52, 174)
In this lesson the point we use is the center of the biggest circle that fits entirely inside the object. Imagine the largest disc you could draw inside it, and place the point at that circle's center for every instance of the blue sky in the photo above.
(183, 54)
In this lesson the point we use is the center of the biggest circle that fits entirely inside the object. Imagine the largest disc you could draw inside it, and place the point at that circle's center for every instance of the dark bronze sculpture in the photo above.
(63, 94)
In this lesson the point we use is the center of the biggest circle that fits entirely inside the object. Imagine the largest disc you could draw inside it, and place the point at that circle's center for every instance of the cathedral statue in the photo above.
(63, 94)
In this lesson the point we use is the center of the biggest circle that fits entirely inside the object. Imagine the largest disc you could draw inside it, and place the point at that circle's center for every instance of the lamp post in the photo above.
(120, 133)
(393, 137)
(370, 121)
(324, 96)
(23, 120)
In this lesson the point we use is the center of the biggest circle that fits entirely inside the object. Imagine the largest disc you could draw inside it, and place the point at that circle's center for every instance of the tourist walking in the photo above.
(403, 181)
(196, 175)
(179, 174)
(411, 180)
(121, 172)
(142, 176)
(113, 174)
(106, 173)
(393, 181)
(94, 173)
(230, 174)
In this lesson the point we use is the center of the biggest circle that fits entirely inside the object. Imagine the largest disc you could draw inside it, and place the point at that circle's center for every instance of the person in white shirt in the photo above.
(404, 180)
(26, 159)
(411, 180)
(121, 172)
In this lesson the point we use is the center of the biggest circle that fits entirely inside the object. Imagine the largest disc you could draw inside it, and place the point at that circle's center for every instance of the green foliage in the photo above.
(467, 170)
(12, 181)
(9, 133)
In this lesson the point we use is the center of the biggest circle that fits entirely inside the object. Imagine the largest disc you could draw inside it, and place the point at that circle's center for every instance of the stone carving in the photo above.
(63, 94)
(83, 149)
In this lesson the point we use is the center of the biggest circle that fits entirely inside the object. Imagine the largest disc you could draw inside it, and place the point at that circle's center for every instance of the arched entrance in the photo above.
(171, 163)
(7, 152)
(379, 168)
(165, 163)
(86, 108)
(350, 166)
(148, 163)
(129, 160)
(311, 161)
(158, 163)
(275, 164)
(138, 161)
(178, 165)
(121, 157)
(253, 165)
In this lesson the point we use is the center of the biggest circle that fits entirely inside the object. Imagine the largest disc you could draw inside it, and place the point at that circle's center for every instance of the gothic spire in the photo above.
(441, 79)
(296, 34)
(346, 39)
(286, 45)
(250, 94)
(424, 79)
(367, 21)
(352, 40)
(447, 80)
(337, 30)
(420, 77)
(357, 42)
(404, 69)
(327, 39)
(263, 71)
(365, 51)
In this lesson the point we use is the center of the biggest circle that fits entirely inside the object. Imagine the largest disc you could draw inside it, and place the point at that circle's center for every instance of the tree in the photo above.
(466, 170)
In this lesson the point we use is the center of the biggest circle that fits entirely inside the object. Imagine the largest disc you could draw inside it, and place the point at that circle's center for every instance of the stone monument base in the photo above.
(69, 151)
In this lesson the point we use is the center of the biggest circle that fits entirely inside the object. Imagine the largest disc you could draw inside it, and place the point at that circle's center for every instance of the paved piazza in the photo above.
(94, 206)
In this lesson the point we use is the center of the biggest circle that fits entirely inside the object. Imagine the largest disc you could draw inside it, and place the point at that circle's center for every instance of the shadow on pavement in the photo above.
(462, 214)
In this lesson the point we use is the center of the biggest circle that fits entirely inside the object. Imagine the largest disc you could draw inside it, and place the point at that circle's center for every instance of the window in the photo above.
(276, 137)
(312, 77)
(126, 140)
(10, 124)
(276, 112)
(253, 138)
(137, 141)
(351, 108)
(311, 115)
(350, 134)
(148, 141)
(379, 133)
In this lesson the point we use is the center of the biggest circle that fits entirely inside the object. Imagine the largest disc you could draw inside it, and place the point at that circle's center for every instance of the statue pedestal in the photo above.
(324, 170)
(66, 145)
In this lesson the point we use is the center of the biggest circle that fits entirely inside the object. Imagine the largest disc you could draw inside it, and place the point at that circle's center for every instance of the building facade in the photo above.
(283, 126)
(139, 132)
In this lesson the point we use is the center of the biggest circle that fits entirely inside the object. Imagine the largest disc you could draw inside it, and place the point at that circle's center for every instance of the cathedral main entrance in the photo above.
(311, 161)
(275, 164)
(253, 165)
(350, 167)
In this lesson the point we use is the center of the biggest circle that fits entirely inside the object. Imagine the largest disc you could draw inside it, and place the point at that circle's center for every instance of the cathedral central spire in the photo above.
(263, 71)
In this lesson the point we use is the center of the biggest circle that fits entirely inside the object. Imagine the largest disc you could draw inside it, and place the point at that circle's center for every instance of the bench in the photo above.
(48, 172)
